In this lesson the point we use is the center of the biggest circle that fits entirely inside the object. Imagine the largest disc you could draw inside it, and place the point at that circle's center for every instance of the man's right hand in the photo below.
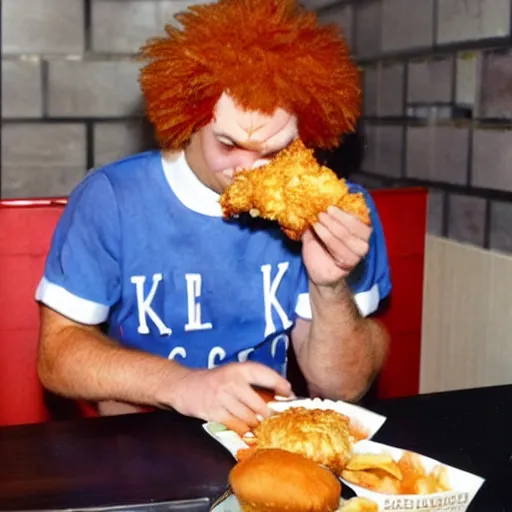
(226, 394)
(80, 362)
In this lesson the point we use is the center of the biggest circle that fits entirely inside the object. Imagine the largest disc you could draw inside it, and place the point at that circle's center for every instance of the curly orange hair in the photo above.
(265, 54)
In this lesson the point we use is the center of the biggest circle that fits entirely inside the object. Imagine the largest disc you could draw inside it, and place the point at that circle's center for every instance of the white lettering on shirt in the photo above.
(177, 351)
(144, 305)
(194, 308)
(275, 342)
(216, 352)
(243, 355)
(269, 296)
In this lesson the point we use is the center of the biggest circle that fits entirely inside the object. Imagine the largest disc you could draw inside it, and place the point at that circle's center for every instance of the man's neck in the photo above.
(187, 187)
(195, 161)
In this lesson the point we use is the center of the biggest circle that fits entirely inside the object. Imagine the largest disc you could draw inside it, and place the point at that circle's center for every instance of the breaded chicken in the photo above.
(320, 435)
(292, 190)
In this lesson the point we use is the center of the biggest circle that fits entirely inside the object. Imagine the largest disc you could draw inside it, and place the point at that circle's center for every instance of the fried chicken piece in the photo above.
(292, 190)
(320, 435)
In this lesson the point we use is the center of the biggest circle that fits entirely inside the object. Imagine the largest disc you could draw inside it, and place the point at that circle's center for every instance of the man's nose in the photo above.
(247, 159)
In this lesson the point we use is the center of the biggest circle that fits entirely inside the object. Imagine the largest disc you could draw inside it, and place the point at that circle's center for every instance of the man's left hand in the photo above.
(334, 247)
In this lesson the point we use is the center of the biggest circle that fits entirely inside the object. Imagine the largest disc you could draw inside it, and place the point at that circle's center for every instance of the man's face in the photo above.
(238, 139)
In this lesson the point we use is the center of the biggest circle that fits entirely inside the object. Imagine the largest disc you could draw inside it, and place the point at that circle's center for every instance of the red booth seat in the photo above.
(26, 228)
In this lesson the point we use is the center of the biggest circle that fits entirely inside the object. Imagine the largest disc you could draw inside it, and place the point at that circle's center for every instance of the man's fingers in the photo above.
(234, 424)
(237, 408)
(341, 254)
(264, 377)
(356, 244)
(353, 224)
(307, 236)
(254, 401)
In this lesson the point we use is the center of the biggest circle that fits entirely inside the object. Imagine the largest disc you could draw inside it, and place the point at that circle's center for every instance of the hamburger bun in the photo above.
(273, 480)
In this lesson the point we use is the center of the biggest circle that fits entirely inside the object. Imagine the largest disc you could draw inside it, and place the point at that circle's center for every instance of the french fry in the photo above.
(426, 485)
(412, 471)
(389, 485)
(360, 505)
(366, 479)
(440, 473)
(382, 461)
(380, 473)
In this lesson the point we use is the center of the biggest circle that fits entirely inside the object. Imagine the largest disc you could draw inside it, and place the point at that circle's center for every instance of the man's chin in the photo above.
(221, 185)
(224, 180)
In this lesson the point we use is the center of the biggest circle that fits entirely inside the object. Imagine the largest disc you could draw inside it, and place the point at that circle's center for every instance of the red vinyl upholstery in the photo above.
(26, 228)
(403, 213)
(25, 232)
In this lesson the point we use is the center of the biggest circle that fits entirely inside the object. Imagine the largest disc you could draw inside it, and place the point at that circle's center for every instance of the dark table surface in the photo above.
(162, 458)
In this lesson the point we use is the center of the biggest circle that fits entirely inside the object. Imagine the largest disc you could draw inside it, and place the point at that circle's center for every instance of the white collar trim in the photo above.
(189, 189)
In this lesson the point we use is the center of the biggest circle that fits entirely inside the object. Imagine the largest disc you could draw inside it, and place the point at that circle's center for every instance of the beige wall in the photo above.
(467, 317)
(429, 119)
(69, 86)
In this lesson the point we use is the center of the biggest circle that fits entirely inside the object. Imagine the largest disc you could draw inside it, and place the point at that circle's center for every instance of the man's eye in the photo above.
(226, 146)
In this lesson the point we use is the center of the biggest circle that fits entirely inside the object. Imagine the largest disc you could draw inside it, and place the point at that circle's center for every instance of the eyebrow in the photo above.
(229, 138)
(250, 147)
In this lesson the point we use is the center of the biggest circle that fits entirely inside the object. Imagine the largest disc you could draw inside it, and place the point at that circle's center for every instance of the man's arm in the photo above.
(339, 351)
(79, 362)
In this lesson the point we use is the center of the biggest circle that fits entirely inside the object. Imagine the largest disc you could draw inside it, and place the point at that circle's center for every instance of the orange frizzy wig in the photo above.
(265, 54)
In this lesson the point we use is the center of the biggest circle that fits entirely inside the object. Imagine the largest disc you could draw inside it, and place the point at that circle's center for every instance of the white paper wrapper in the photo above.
(228, 503)
(464, 486)
(368, 420)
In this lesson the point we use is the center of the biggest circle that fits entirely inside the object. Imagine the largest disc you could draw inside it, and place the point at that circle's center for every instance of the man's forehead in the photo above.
(251, 126)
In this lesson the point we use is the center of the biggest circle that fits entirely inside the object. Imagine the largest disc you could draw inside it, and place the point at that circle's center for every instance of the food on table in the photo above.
(382, 461)
(292, 189)
(381, 473)
(323, 436)
(359, 505)
(374, 480)
(273, 480)
(357, 430)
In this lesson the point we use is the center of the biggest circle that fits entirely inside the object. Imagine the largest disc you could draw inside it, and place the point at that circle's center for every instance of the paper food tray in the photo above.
(464, 486)
(368, 420)
(229, 503)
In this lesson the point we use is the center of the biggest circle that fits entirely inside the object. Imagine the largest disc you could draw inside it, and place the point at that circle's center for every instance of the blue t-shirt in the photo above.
(142, 246)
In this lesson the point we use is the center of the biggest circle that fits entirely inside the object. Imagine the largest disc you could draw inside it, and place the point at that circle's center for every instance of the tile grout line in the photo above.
(487, 224)
(89, 146)
(87, 26)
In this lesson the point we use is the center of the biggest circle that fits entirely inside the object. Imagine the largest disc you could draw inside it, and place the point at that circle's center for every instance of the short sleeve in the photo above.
(303, 306)
(82, 273)
(370, 281)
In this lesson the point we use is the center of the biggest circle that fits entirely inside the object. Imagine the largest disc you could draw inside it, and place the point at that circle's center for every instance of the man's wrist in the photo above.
(338, 292)
(166, 384)
(337, 297)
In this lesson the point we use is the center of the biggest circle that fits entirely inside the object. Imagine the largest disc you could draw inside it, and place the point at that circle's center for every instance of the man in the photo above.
(200, 310)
